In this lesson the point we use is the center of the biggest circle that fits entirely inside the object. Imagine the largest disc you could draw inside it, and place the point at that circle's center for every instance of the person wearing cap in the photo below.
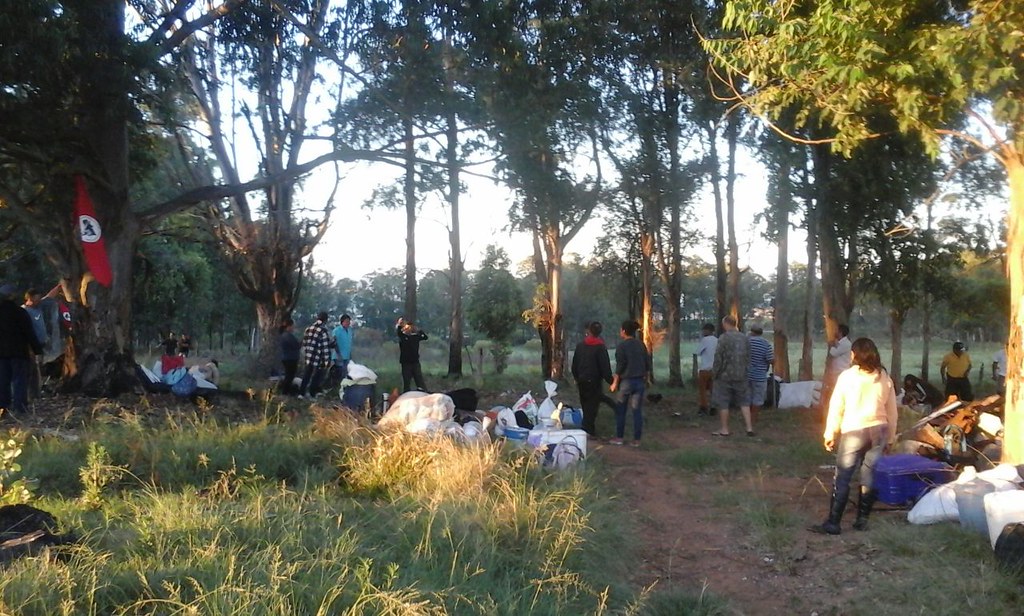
(17, 341)
(956, 373)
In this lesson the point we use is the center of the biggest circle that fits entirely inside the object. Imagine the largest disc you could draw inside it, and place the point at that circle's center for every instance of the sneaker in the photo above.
(615, 441)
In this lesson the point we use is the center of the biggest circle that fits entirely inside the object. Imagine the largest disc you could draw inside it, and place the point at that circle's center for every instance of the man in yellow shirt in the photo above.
(956, 373)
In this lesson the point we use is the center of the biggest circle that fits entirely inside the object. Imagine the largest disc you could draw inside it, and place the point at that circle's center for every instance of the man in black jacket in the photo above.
(590, 366)
(409, 338)
(17, 339)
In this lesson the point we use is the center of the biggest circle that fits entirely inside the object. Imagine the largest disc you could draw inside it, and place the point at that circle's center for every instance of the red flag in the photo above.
(92, 235)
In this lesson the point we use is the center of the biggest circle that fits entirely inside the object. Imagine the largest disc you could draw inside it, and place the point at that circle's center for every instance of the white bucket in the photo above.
(1002, 508)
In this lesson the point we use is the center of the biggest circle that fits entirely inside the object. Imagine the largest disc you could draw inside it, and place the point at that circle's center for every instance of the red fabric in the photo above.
(65, 316)
(89, 230)
(171, 362)
(592, 340)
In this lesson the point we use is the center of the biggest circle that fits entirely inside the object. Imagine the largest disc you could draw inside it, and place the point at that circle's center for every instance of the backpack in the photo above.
(185, 387)
(562, 455)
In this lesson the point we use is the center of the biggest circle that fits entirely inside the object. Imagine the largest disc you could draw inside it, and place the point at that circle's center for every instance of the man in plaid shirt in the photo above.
(316, 343)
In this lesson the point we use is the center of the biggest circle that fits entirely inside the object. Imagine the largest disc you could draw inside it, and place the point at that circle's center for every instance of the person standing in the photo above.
(34, 307)
(591, 366)
(956, 373)
(838, 360)
(290, 350)
(316, 344)
(17, 342)
(862, 418)
(409, 338)
(999, 371)
(343, 345)
(729, 370)
(632, 367)
(760, 356)
(705, 360)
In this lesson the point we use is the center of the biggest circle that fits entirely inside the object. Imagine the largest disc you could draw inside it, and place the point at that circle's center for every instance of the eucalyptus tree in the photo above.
(923, 63)
(660, 69)
(81, 87)
(533, 65)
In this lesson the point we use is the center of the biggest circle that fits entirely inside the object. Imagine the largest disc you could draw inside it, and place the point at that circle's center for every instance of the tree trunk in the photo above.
(807, 348)
(410, 221)
(781, 303)
(716, 191)
(833, 279)
(101, 339)
(455, 262)
(926, 297)
(896, 319)
(731, 130)
(1013, 439)
(647, 280)
(672, 278)
(557, 331)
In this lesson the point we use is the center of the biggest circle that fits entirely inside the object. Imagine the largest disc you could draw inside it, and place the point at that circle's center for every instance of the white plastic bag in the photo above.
(506, 419)
(528, 405)
(361, 374)
(548, 408)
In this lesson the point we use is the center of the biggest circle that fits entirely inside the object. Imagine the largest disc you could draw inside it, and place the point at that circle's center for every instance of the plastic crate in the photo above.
(901, 479)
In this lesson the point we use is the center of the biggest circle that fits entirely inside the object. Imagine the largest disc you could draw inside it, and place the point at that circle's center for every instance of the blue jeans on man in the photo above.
(631, 398)
(14, 383)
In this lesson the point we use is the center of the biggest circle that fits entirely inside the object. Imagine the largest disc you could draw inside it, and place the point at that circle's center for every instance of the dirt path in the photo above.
(694, 543)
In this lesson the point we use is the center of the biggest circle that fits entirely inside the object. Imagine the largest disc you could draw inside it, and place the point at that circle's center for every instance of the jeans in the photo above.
(14, 383)
(590, 400)
(631, 397)
(312, 379)
(291, 367)
(858, 449)
(410, 373)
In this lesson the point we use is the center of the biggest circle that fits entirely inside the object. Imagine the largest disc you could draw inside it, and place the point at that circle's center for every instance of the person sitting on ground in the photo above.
(917, 391)
(209, 371)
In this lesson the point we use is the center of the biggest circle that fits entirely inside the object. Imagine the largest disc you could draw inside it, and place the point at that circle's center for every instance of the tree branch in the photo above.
(168, 44)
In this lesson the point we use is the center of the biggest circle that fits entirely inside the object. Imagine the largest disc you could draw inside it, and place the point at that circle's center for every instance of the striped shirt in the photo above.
(761, 357)
(316, 343)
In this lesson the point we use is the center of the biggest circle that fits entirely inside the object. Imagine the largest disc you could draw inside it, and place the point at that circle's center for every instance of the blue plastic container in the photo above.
(355, 396)
(571, 418)
(901, 479)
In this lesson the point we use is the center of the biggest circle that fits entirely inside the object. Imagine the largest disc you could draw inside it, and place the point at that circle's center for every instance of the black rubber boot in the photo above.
(835, 513)
(864, 505)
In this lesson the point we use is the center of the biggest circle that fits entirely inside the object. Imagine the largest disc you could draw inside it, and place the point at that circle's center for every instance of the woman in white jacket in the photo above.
(862, 417)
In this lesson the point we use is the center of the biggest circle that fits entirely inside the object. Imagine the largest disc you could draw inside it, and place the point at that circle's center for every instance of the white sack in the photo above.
(408, 409)
(528, 405)
(801, 393)
(547, 408)
(359, 372)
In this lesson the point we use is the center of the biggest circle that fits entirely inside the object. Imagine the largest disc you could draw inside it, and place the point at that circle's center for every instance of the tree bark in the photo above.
(806, 371)
(455, 262)
(716, 191)
(1013, 439)
(731, 130)
(896, 320)
(781, 303)
(410, 220)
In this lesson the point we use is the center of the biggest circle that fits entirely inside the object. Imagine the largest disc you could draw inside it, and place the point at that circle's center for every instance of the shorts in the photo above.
(730, 395)
(757, 390)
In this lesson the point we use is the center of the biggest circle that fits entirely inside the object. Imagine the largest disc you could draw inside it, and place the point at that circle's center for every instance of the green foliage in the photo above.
(839, 60)
(17, 491)
(495, 305)
(97, 474)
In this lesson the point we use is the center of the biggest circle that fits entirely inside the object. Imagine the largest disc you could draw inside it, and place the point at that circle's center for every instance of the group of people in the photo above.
(23, 338)
(591, 368)
(324, 350)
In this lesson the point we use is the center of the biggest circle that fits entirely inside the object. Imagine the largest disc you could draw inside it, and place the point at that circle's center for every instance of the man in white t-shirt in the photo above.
(838, 360)
(705, 357)
(999, 370)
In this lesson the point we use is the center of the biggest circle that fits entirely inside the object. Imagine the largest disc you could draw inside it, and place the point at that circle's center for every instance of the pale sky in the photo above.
(361, 241)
